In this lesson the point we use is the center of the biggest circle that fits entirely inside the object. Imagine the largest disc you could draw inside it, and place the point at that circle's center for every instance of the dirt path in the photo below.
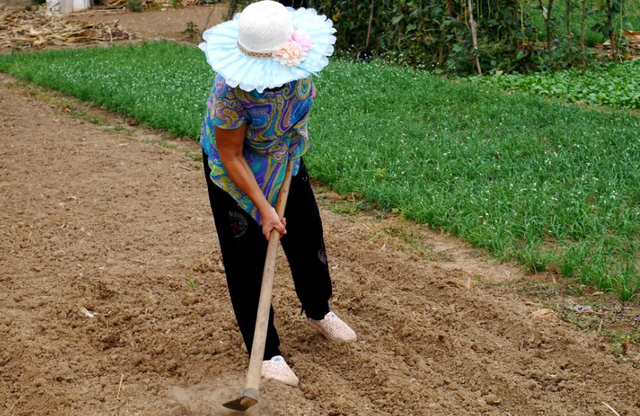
(101, 217)
(170, 23)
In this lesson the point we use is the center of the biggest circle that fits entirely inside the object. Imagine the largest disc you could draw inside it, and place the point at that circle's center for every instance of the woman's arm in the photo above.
(229, 144)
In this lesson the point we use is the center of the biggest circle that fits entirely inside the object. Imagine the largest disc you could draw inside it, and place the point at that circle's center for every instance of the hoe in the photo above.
(251, 391)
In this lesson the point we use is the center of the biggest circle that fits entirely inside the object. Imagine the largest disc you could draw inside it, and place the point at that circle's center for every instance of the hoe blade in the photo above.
(248, 399)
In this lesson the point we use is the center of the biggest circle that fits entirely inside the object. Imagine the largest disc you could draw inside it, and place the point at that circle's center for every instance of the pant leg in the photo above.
(304, 247)
(244, 250)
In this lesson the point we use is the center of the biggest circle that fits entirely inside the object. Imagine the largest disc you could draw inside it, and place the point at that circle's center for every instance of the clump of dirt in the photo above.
(617, 322)
(113, 299)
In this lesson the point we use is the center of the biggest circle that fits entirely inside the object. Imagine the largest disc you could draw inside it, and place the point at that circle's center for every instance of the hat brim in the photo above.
(221, 49)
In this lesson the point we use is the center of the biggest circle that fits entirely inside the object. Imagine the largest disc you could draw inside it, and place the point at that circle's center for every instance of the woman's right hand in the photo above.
(271, 221)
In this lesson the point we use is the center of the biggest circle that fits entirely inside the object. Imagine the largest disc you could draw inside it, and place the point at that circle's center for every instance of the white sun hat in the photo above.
(269, 45)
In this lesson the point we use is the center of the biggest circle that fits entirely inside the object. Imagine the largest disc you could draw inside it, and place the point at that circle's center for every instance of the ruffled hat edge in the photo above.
(251, 73)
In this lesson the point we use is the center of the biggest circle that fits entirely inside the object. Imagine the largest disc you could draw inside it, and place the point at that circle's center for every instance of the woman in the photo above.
(256, 121)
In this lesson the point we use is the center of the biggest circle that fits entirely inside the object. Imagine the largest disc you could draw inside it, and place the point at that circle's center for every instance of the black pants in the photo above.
(244, 250)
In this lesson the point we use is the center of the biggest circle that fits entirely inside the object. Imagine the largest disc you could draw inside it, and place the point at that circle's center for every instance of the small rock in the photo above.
(492, 399)
(543, 314)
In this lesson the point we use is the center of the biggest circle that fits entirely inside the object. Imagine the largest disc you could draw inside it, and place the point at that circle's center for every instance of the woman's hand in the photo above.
(271, 221)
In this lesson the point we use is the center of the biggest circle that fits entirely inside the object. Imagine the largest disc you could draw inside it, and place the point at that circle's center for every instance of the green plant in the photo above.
(616, 85)
(192, 32)
(588, 22)
(513, 35)
(194, 286)
(433, 35)
(611, 9)
(135, 6)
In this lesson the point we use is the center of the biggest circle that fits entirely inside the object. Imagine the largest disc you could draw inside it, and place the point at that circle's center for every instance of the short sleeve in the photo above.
(229, 111)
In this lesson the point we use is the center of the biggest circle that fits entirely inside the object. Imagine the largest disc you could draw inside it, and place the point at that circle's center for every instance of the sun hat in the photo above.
(268, 45)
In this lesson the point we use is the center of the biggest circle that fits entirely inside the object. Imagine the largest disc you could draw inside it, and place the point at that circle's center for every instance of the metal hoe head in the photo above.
(248, 399)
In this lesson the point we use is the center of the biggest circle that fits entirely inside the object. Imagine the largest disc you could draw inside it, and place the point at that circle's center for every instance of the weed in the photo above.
(192, 32)
(89, 117)
(116, 128)
(194, 287)
(135, 6)
(195, 156)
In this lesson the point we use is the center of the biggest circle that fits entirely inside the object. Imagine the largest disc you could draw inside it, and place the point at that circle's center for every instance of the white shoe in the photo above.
(278, 369)
(333, 328)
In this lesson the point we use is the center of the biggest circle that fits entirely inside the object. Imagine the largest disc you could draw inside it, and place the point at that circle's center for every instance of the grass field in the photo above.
(549, 184)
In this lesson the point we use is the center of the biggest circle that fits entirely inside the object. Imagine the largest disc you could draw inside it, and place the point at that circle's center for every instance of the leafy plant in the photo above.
(432, 34)
(610, 9)
(513, 35)
(192, 32)
(135, 6)
(615, 85)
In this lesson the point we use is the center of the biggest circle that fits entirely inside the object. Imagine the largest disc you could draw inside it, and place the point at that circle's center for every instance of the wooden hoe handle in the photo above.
(260, 334)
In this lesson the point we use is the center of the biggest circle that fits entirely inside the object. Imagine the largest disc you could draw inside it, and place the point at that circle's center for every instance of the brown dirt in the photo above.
(169, 23)
(113, 220)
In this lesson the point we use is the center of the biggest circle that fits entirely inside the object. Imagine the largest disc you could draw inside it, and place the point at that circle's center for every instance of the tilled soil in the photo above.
(113, 299)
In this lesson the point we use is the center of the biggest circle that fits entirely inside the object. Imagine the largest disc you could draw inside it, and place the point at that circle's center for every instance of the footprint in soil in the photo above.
(207, 399)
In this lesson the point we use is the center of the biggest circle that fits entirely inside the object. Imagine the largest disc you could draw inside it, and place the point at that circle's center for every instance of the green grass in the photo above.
(549, 184)
(161, 84)
(615, 85)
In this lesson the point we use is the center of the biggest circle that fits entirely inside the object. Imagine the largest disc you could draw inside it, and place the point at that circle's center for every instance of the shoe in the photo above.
(278, 369)
(333, 328)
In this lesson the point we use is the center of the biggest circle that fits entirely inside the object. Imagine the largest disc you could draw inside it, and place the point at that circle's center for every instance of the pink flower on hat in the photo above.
(302, 39)
(296, 50)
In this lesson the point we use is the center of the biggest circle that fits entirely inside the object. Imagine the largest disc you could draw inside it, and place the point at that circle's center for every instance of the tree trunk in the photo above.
(548, 22)
(369, 28)
(549, 25)
(569, 32)
(474, 37)
(582, 30)
(583, 21)
(612, 36)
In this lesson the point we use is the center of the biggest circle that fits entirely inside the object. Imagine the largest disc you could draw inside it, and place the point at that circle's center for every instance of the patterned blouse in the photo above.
(276, 129)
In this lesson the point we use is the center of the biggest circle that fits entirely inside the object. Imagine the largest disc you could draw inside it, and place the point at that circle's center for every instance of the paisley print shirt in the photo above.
(276, 131)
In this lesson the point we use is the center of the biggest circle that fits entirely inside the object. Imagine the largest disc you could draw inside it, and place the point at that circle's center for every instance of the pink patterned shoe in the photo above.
(333, 328)
(277, 369)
